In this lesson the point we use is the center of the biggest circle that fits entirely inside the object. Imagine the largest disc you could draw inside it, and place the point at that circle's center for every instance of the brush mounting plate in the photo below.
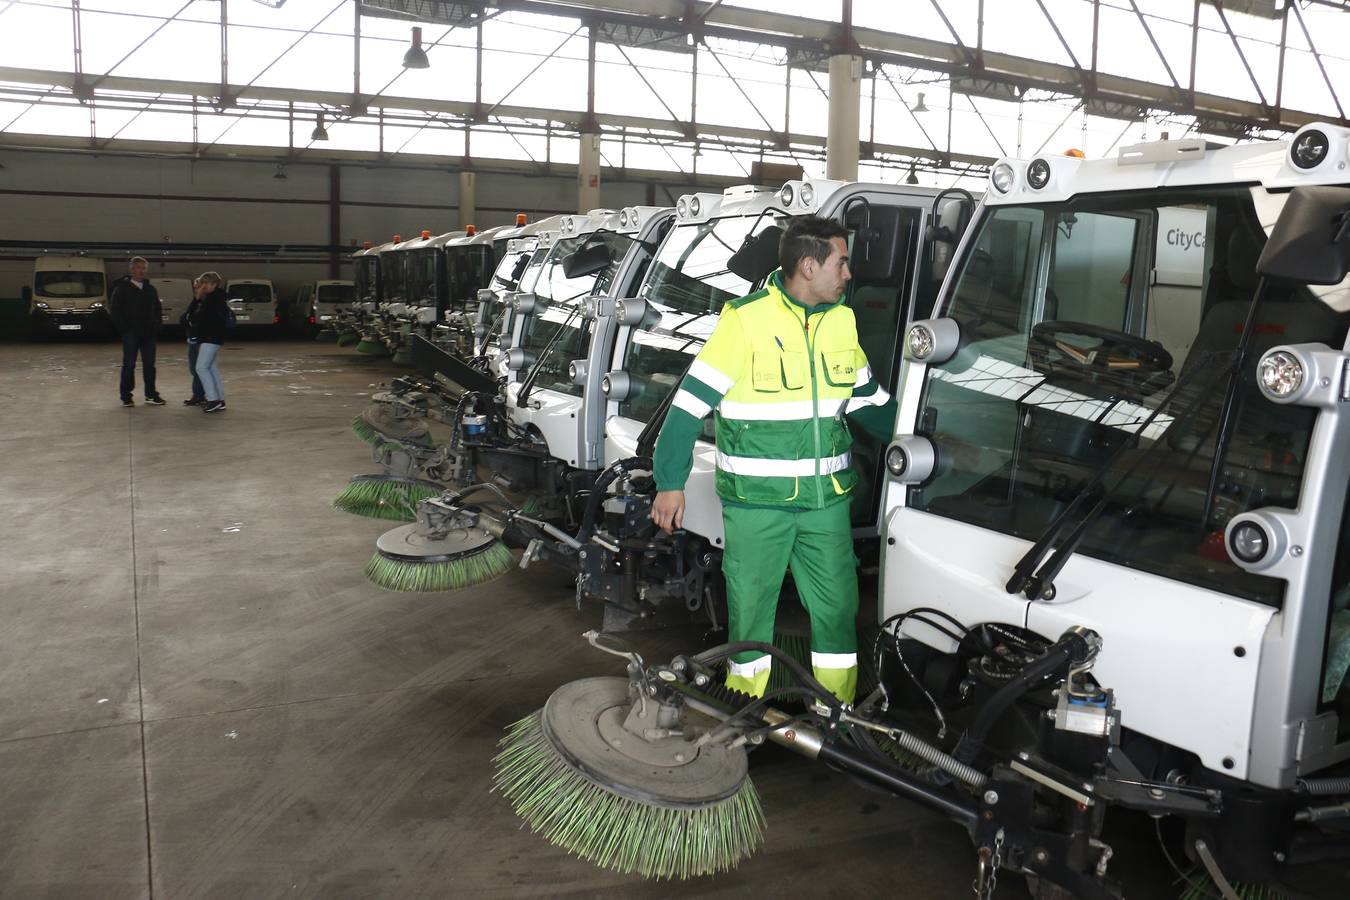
(585, 723)
(411, 543)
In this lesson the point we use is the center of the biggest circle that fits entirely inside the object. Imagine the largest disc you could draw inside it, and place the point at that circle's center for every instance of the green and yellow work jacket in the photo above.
(781, 376)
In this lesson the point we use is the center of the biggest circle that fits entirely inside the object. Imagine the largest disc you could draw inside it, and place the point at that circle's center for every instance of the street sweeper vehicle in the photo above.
(470, 262)
(593, 506)
(524, 437)
(1115, 572)
(423, 267)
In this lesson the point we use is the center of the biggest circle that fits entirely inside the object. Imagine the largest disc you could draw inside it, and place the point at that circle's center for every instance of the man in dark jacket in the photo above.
(136, 314)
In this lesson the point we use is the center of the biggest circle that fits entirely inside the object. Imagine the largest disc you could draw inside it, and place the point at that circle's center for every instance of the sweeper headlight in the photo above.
(682, 208)
(1038, 174)
(631, 311)
(1249, 542)
(577, 370)
(486, 295)
(1309, 149)
(932, 341)
(526, 303)
(695, 206)
(807, 194)
(1003, 178)
(1280, 374)
(623, 218)
(911, 459)
(787, 195)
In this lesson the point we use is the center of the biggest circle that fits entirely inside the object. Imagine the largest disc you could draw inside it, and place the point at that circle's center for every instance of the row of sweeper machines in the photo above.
(587, 377)
(1114, 571)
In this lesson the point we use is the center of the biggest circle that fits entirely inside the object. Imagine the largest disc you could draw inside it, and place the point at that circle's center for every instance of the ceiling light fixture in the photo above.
(920, 106)
(319, 133)
(416, 57)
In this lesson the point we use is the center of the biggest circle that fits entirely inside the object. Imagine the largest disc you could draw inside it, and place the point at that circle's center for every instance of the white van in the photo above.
(70, 294)
(252, 301)
(174, 296)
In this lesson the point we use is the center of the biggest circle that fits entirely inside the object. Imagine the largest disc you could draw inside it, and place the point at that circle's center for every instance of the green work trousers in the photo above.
(761, 544)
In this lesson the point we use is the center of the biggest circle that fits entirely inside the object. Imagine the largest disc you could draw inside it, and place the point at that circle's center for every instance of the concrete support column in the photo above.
(588, 174)
(841, 143)
(468, 199)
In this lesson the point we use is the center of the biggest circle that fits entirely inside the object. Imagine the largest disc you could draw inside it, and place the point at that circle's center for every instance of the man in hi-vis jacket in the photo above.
(781, 369)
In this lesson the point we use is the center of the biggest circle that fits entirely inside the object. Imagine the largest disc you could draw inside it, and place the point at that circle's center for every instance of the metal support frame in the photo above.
(694, 27)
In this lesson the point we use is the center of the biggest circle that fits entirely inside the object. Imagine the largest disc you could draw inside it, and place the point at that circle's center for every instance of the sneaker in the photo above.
(156, 400)
(195, 401)
(127, 401)
(214, 406)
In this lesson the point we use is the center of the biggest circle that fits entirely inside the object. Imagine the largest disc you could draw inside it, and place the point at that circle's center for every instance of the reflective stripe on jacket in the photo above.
(780, 376)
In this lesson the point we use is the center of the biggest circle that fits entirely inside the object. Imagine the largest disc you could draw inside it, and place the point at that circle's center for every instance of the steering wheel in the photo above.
(1115, 360)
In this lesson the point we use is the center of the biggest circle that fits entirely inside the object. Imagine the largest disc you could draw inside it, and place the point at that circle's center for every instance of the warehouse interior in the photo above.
(321, 641)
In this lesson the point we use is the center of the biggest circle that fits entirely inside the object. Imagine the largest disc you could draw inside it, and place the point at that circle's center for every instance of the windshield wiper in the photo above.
(527, 386)
(1032, 583)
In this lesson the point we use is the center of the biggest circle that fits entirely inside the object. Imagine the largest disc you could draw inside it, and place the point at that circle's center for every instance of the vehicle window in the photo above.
(1056, 382)
(690, 273)
(336, 293)
(68, 284)
(250, 293)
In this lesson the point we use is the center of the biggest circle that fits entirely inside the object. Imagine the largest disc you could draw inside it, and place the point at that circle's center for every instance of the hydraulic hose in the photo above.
(1069, 648)
(1324, 787)
(805, 678)
(597, 497)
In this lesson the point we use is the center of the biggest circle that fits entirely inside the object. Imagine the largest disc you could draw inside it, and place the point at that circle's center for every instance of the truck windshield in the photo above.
(560, 335)
(467, 269)
(68, 285)
(393, 276)
(1077, 321)
(251, 293)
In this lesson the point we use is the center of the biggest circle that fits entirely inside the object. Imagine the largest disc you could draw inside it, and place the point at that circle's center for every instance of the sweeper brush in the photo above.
(348, 338)
(606, 776)
(392, 497)
(372, 347)
(376, 423)
(406, 559)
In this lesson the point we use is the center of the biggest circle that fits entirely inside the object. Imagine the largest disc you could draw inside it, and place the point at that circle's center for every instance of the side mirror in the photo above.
(1310, 243)
(757, 256)
(588, 260)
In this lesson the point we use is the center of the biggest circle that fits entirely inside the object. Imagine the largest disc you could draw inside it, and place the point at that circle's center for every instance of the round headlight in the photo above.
(896, 461)
(633, 218)
(1002, 178)
(808, 195)
(605, 385)
(695, 206)
(1248, 542)
(623, 217)
(572, 371)
(921, 342)
(1280, 374)
(682, 208)
(1038, 174)
(786, 195)
(1309, 150)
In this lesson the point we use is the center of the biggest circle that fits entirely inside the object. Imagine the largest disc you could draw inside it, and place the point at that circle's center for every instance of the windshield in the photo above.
(336, 293)
(68, 285)
(467, 269)
(393, 280)
(690, 272)
(250, 293)
(561, 334)
(366, 267)
(422, 275)
(687, 285)
(1082, 318)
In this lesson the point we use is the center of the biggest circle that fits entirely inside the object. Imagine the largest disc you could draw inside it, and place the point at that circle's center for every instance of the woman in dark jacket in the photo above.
(198, 397)
(207, 324)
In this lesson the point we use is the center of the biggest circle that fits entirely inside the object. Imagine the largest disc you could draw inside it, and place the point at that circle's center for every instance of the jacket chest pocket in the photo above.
(778, 370)
(840, 367)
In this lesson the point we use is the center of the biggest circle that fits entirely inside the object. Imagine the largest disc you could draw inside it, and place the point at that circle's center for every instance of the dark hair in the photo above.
(807, 236)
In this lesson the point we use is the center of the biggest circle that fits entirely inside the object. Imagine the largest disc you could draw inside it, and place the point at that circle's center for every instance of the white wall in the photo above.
(145, 205)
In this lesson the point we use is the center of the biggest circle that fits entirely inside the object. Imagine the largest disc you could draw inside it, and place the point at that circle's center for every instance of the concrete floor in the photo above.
(201, 695)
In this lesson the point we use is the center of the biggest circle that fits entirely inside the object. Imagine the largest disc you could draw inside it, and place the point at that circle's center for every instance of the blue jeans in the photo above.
(208, 371)
(131, 345)
(198, 392)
